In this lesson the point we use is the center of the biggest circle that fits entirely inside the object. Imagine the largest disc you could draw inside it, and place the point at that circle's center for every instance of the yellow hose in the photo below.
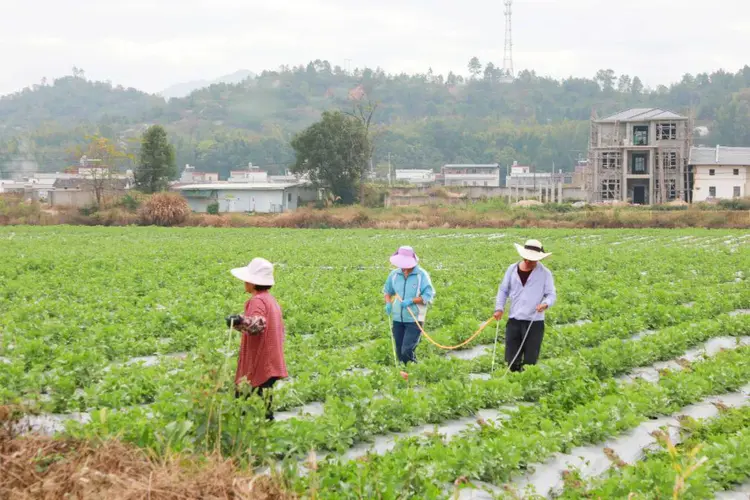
(481, 328)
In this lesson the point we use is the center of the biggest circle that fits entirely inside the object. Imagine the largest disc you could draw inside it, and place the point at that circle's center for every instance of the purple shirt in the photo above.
(539, 288)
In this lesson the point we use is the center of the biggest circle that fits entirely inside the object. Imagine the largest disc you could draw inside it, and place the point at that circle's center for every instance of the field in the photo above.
(120, 332)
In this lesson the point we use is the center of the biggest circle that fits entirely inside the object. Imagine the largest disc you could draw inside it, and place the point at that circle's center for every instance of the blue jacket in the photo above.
(417, 284)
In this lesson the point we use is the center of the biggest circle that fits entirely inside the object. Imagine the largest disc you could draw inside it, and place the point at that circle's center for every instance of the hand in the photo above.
(541, 307)
(234, 320)
(497, 315)
(388, 308)
(407, 303)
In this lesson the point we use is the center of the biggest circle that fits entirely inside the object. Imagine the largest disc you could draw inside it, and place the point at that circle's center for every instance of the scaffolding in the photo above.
(651, 168)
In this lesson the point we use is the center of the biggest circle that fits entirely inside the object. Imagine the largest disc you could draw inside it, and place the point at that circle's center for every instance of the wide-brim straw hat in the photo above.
(404, 258)
(258, 272)
(532, 250)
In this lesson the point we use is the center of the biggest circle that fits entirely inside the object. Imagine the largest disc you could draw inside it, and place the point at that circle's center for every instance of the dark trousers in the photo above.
(261, 391)
(514, 332)
(407, 337)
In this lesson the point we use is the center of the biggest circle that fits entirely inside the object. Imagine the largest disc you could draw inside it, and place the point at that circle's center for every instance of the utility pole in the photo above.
(389, 169)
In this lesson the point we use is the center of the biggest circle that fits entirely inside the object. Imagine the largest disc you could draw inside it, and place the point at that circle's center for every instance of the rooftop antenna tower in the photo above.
(507, 75)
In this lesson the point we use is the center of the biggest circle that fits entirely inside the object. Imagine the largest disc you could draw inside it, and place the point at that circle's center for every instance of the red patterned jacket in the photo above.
(262, 345)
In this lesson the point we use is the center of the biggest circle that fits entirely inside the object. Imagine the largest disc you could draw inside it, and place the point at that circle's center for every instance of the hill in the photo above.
(186, 88)
(422, 120)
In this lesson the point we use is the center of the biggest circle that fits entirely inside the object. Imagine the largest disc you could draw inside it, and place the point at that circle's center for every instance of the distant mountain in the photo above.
(422, 120)
(184, 89)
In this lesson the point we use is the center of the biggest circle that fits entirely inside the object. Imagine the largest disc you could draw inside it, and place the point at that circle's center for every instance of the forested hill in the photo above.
(423, 120)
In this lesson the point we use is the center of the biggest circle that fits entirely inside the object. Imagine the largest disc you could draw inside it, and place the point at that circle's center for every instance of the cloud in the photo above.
(153, 44)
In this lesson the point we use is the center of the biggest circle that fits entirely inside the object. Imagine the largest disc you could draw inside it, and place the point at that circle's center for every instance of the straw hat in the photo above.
(258, 272)
(532, 250)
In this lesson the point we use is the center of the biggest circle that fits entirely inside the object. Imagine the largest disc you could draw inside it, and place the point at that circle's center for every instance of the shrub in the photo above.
(164, 209)
(213, 208)
(130, 202)
(88, 210)
(735, 204)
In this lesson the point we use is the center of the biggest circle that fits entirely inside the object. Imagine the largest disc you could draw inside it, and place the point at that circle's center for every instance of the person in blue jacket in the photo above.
(413, 284)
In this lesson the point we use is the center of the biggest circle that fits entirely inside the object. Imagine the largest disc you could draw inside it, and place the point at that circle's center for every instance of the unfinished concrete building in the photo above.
(639, 156)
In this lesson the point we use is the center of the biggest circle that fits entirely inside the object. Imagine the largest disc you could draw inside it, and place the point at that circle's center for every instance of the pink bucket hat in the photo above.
(404, 258)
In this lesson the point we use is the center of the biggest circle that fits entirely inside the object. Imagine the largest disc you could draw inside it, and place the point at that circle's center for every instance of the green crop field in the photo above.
(120, 332)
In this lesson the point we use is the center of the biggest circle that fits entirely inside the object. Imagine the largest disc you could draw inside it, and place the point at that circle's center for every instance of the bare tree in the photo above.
(101, 161)
(363, 111)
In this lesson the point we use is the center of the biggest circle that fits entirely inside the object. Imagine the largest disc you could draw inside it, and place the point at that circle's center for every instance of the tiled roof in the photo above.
(720, 155)
(643, 115)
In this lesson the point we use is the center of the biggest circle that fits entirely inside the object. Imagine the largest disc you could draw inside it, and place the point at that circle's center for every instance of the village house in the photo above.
(487, 175)
(82, 192)
(238, 197)
(415, 176)
(720, 173)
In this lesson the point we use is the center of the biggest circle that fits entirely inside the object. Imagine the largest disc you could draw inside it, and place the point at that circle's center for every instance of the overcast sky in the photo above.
(153, 44)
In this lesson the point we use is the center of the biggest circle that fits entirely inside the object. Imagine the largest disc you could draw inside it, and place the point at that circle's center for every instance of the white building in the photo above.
(720, 173)
(8, 186)
(522, 177)
(192, 176)
(471, 175)
(244, 176)
(415, 176)
(236, 197)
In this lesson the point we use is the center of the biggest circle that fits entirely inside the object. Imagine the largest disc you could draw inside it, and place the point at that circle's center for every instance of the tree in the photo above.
(624, 84)
(606, 79)
(733, 121)
(156, 164)
(491, 73)
(101, 161)
(334, 152)
(363, 112)
(637, 86)
(475, 67)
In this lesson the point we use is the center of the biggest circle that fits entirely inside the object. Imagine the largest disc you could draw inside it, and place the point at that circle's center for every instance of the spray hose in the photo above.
(474, 335)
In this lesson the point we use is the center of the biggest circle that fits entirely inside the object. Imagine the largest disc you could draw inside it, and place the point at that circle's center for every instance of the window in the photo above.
(639, 164)
(736, 171)
(737, 191)
(289, 197)
(711, 171)
(611, 189)
(669, 160)
(712, 191)
(672, 192)
(666, 131)
(640, 135)
(611, 159)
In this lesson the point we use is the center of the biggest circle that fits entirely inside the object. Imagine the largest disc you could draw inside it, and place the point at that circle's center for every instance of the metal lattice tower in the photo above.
(508, 75)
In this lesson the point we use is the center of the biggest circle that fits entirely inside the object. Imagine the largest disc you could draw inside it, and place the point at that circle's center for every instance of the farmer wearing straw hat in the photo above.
(531, 289)
(261, 361)
(413, 284)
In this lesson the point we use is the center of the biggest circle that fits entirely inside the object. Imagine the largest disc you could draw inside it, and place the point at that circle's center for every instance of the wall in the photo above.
(724, 180)
(251, 201)
(261, 201)
(422, 196)
(72, 198)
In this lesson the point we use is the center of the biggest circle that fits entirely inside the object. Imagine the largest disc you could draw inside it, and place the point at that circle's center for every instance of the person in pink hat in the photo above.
(413, 284)
(261, 362)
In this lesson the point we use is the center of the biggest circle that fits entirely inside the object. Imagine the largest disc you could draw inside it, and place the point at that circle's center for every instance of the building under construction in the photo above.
(639, 156)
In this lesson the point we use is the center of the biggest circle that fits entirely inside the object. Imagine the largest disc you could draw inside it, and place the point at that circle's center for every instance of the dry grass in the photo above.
(171, 209)
(164, 209)
(43, 468)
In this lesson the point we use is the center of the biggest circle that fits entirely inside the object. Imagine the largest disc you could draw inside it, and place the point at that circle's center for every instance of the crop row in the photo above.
(359, 415)
(718, 448)
(496, 453)
(75, 382)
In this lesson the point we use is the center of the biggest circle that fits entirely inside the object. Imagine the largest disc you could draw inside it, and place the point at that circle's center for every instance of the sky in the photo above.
(153, 44)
